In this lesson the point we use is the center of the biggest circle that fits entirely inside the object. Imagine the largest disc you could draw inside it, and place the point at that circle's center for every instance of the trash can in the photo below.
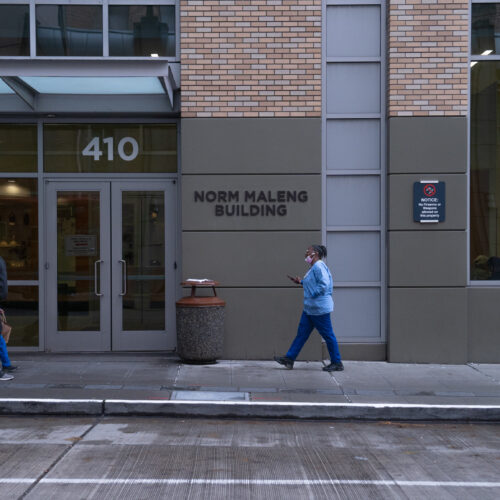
(200, 324)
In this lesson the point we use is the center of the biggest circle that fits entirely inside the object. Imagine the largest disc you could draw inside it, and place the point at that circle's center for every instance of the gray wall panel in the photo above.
(366, 323)
(359, 351)
(354, 256)
(262, 322)
(353, 144)
(401, 202)
(251, 145)
(353, 200)
(483, 325)
(353, 31)
(302, 214)
(428, 325)
(428, 144)
(249, 259)
(353, 87)
(427, 258)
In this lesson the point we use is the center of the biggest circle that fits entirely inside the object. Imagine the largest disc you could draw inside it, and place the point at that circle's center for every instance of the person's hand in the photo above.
(295, 279)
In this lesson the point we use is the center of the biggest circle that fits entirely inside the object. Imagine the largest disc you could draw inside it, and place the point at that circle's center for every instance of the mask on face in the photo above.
(309, 259)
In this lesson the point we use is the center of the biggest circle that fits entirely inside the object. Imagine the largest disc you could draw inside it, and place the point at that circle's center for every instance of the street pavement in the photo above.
(159, 384)
(157, 457)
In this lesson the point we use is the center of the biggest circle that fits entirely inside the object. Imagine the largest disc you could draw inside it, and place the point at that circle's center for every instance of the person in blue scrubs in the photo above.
(318, 304)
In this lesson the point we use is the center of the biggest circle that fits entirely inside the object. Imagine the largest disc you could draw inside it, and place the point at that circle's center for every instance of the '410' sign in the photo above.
(127, 148)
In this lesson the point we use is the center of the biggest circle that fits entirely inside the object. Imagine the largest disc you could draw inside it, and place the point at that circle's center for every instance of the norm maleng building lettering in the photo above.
(147, 143)
(254, 203)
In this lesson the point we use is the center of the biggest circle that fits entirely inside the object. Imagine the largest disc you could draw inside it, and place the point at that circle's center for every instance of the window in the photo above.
(110, 148)
(75, 28)
(19, 227)
(18, 147)
(14, 30)
(69, 30)
(485, 143)
(141, 31)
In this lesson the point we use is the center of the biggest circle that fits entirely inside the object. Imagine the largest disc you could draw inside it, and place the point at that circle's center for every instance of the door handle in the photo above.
(98, 293)
(124, 277)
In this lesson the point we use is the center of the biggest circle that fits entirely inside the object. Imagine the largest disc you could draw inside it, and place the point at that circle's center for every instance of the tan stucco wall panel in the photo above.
(248, 259)
(428, 325)
(251, 202)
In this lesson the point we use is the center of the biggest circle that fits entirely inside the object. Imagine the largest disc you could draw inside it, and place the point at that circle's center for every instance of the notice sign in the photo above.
(80, 245)
(428, 201)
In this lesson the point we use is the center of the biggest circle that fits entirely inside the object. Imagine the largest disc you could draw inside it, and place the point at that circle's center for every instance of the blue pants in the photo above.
(323, 324)
(4, 357)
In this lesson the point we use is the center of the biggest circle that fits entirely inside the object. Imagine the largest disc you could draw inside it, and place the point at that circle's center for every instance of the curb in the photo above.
(251, 409)
(51, 407)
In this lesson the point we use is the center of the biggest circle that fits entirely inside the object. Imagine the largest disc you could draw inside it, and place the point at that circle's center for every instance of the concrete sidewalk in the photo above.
(160, 384)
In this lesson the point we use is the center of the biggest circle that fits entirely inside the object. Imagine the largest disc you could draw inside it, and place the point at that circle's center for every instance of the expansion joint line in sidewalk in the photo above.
(471, 365)
(41, 477)
(346, 396)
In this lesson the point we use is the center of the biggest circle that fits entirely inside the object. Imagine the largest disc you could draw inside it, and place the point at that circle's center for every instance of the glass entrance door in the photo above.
(110, 266)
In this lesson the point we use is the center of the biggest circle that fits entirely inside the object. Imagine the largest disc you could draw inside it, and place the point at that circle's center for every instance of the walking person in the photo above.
(7, 366)
(318, 304)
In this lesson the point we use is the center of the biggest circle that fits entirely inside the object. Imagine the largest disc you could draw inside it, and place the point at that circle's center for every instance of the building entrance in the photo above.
(110, 265)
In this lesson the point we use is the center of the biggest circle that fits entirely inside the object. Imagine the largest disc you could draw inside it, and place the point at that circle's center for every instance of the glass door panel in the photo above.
(78, 266)
(78, 262)
(144, 219)
(143, 251)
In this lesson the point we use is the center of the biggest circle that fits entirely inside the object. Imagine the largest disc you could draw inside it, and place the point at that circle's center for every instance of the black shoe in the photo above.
(334, 367)
(283, 360)
(10, 368)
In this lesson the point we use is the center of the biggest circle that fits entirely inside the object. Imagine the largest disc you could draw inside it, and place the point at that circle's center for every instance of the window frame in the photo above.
(105, 29)
(472, 60)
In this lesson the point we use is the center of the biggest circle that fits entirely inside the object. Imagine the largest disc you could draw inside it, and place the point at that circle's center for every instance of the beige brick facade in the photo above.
(427, 57)
(259, 58)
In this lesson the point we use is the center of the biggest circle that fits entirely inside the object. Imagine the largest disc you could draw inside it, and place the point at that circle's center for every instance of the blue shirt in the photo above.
(318, 286)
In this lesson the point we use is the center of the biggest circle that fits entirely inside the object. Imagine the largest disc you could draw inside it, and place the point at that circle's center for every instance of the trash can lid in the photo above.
(199, 282)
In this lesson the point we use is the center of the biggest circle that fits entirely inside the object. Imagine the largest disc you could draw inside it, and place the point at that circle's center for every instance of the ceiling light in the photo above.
(155, 55)
(487, 52)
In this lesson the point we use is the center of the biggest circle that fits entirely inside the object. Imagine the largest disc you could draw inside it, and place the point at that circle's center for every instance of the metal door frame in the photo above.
(107, 339)
(93, 340)
(143, 340)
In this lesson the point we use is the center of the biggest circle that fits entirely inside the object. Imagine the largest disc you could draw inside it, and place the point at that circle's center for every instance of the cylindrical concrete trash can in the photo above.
(200, 325)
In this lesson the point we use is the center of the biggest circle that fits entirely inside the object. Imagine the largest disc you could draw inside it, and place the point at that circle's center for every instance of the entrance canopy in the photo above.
(90, 93)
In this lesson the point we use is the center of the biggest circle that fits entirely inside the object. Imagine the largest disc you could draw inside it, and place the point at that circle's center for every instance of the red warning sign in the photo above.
(429, 190)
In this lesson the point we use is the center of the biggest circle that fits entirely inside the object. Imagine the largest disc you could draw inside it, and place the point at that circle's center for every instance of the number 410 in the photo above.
(93, 148)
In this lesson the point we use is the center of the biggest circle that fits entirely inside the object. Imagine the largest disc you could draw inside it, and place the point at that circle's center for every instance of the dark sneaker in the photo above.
(11, 368)
(5, 376)
(334, 367)
(283, 360)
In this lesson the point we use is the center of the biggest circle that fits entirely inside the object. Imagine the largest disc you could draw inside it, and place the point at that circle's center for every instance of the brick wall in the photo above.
(427, 58)
(259, 58)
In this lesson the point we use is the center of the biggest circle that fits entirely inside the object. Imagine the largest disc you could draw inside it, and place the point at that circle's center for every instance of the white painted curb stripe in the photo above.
(249, 403)
(297, 404)
(257, 482)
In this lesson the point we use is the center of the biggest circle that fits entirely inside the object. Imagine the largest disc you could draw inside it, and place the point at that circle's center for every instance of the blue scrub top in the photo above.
(318, 286)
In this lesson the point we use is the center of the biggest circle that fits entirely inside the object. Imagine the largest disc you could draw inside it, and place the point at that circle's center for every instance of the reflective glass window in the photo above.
(485, 171)
(69, 30)
(110, 148)
(14, 30)
(18, 147)
(485, 28)
(141, 30)
(19, 227)
(21, 310)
